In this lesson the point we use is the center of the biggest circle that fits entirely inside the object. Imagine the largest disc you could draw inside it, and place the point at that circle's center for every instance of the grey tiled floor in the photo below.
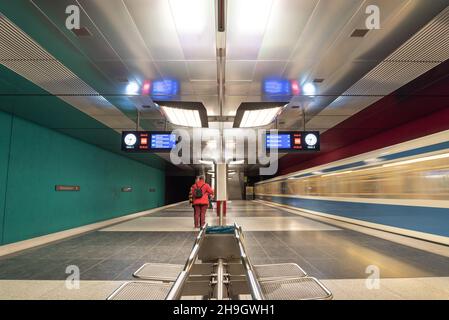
(325, 254)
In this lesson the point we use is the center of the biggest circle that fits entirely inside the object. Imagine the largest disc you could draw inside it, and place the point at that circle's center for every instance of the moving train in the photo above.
(402, 188)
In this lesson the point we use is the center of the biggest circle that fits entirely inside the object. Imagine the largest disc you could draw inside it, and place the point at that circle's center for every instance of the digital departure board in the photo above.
(148, 141)
(293, 141)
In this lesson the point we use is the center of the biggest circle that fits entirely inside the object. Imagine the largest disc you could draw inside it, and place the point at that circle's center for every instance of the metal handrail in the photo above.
(256, 291)
(176, 289)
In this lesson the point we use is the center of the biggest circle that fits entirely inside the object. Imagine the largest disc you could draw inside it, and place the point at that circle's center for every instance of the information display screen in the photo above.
(279, 141)
(148, 141)
(293, 141)
(163, 141)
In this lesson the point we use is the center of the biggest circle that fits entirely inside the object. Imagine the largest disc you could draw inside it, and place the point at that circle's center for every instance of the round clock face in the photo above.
(311, 139)
(130, 139)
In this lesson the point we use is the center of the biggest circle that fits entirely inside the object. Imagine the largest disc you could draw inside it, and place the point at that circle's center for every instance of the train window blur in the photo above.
(421, 180)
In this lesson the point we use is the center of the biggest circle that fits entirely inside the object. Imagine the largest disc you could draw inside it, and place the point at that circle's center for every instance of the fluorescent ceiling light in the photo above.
(259, 118)
(252, 16)
(190, 16)
(208, 162)
(237, 162)
(183, 117)
(436, 157)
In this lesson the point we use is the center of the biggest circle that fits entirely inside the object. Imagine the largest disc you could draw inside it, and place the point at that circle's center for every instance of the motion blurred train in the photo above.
(403, 189)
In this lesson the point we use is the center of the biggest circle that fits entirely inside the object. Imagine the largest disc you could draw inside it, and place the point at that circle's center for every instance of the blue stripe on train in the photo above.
(423, 219)
(394, 156)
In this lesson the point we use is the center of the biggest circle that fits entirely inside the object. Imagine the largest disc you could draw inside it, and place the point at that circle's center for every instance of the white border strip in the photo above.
(438, 245)
(442, 204)
(38, 241)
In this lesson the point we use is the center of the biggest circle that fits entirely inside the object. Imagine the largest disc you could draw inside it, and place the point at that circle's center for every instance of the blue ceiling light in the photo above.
(166, 87)
(276, 87)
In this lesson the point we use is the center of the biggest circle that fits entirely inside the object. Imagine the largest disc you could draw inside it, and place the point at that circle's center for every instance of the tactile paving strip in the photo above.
(159, 271)
(278, 271)
(295, 289)
(141, 291)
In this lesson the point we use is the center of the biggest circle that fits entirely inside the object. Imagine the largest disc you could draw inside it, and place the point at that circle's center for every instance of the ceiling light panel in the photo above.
(286, 22)
(195, 25)
(259, 118)
(183, 117)
(155, 22)
(246, 25)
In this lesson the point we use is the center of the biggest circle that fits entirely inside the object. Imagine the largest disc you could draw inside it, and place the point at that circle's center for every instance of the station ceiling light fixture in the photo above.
(253, 115)
(252, 16)
(183, 117)
(190, 17)
(237, 162)
(184, 114)
(259, 118)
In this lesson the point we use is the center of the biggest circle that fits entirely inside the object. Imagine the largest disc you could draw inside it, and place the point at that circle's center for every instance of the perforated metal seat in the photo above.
(278, 271)
(159, 271)
(306, 288)
(140, 290)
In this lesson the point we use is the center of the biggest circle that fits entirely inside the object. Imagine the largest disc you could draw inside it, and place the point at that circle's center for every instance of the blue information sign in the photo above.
(163, 141)
(279, 141)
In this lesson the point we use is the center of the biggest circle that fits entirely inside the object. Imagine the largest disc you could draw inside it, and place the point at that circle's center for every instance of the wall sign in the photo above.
(67, 188)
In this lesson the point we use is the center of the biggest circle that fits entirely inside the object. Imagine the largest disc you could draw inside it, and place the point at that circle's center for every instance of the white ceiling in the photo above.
(292, 39)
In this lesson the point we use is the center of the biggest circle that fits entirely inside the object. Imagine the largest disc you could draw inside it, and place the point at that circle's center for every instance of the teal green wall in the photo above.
(40, 158)
(5, 133)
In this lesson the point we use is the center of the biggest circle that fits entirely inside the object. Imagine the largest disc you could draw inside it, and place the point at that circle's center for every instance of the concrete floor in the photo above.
(340, 257)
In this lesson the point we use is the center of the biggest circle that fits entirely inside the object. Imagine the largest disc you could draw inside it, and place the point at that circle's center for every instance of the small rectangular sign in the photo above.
(67, 188)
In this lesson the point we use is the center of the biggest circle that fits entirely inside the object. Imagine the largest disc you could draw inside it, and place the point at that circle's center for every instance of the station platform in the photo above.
(341, 258)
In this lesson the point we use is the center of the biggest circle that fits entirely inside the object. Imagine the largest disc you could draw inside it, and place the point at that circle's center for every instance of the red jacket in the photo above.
(207, 190)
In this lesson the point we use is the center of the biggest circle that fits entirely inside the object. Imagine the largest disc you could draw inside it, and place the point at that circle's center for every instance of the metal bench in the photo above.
(286, 281)
(267, 272)
(219, 268)
(159, 272)
(141, 290)
(160, 278)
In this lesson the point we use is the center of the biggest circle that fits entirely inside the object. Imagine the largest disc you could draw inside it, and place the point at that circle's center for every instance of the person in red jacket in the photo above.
(200, 194)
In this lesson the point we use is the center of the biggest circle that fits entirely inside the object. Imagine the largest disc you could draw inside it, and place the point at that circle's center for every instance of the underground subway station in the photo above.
(224, 157)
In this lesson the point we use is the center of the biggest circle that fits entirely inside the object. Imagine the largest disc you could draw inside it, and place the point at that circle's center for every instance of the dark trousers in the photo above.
(200, 215)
